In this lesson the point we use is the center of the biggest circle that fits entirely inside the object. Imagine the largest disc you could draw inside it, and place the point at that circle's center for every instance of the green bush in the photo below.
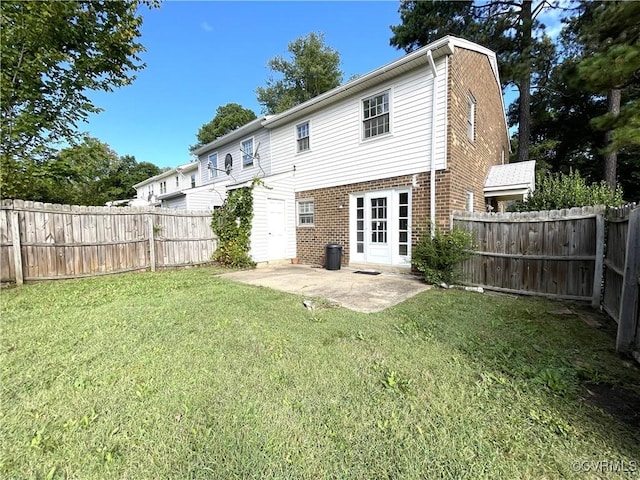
(438, 257)
(555, 191)
(232, 225)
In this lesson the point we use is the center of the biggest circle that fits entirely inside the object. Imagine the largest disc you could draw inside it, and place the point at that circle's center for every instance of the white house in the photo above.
(178, 188)
(373, 163)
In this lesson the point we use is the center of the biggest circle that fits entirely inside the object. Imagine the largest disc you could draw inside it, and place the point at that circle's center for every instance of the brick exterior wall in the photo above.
(331, 223)
(467, 165)
(468, 161)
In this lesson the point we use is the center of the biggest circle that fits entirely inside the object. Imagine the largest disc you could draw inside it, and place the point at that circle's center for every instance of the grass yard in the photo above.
(182, 374)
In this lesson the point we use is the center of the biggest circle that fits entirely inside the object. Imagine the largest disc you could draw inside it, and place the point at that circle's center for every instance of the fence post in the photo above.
(17, 248)
(598, 268)
(152, 244)
(627, 319)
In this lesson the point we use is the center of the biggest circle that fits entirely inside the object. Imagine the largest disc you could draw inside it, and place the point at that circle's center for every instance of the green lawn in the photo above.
(182, 374)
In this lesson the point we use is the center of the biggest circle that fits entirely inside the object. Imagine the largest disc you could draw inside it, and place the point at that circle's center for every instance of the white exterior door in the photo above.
(276, 221)
(380, 227)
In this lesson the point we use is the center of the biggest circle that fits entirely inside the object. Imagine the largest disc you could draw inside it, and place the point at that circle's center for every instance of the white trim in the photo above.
(213, 172)
(295, 133)
(298, 213)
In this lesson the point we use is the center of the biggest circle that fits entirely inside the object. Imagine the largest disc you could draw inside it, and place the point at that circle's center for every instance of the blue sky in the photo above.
(201, 55)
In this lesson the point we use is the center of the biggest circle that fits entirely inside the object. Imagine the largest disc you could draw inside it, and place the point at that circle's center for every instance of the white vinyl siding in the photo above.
(339, 156)
(261, 166)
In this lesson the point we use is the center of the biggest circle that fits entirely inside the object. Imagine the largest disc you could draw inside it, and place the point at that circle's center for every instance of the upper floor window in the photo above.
(193, 180)
(305, 213)
(471, 117)
(375, 110)
(212, 165)
(302, 136)
(163, 187)
(177, 181)
(247, 153)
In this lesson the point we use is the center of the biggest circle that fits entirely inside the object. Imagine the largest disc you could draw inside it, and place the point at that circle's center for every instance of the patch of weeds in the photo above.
(558, 380)
(395, 381)
(551, 422)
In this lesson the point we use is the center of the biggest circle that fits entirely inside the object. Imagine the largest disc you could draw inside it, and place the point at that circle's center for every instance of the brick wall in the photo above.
(468, 161)
(331, 223)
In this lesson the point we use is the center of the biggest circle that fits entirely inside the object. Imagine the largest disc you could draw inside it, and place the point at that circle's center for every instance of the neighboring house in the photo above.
(178, 188)
(372, 163)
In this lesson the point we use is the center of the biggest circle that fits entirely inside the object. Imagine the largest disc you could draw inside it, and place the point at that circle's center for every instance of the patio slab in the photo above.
(355, 291)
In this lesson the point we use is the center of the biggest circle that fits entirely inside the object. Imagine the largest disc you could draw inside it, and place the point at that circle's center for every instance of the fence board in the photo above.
(67, 241)
(547, 253)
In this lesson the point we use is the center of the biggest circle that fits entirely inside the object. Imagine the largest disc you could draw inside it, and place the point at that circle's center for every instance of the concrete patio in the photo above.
(355, 291)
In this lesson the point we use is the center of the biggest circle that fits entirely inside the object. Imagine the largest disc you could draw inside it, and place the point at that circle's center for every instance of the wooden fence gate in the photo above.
(45, 241)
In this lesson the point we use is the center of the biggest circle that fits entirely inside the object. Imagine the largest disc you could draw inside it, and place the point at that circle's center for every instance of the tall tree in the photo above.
(610, 66)
(510, 28)
(312, 70)
(228, 117)
(51, 54)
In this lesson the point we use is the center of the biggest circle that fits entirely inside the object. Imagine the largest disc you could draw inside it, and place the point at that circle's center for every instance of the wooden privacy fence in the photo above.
(561, 254)
(622, 274)
(46, 241)
(556, 253)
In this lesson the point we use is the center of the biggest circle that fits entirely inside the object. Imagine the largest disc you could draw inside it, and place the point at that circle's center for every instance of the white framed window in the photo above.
(302, 137)
(212, 165)
(178, 181)
(471, 117)
(375, 115)
(305, 213)
(193, 180)
(163, 187)
(247, 152)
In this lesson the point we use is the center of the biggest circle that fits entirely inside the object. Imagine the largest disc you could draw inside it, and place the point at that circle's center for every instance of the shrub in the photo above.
(438, 257)
(555, 191)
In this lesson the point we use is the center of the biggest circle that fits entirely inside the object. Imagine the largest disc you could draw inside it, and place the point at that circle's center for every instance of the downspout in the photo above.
(432, 175)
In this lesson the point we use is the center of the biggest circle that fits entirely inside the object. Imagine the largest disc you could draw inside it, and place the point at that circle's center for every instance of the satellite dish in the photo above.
(228, 163)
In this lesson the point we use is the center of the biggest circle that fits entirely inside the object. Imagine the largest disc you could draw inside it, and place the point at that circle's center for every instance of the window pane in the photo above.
(360, 248)
(404, 211)
(360, 225)
(360, 202)
(404, 198)
(403, 224)
(402, 249)
(360, 236)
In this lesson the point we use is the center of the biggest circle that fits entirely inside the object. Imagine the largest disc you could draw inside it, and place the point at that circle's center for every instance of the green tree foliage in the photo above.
(438, 258)
(312, 70)
(555, 191)
(51, 54)
(89, 173)
(509, 28)
(228, 117)
(231, 223)
(566, 132)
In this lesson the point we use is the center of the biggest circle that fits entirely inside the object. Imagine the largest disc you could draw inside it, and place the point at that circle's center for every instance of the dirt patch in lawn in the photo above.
(621, 403)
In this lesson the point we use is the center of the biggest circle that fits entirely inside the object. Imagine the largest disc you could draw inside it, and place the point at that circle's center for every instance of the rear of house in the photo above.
(376, 161)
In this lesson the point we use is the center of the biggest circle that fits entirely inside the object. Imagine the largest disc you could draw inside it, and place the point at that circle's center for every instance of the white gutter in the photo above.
(432, 174)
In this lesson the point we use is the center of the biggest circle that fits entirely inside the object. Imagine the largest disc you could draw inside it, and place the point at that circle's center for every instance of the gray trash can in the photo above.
(333, 256)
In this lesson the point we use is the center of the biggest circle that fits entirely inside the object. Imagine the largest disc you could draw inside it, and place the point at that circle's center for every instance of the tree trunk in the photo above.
(611, 157)
(524, 106)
